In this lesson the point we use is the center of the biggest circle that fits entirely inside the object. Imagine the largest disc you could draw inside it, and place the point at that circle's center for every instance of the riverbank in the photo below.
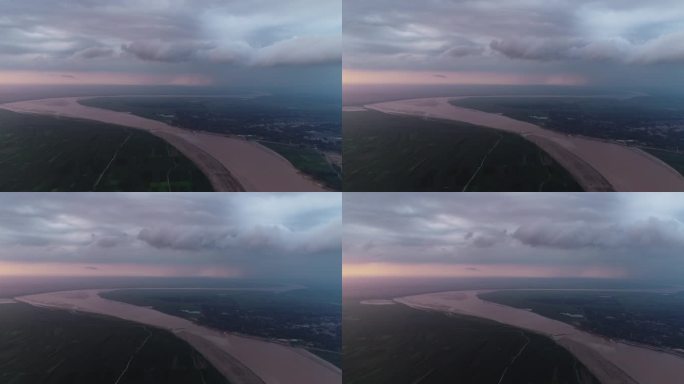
(610, 361)
(597, 165)
(230, 163)
(242, 360)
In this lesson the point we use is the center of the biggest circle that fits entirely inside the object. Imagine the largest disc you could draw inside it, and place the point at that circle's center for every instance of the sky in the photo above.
(550, 42)
(170, 42)
(257, 235)
(585, 235)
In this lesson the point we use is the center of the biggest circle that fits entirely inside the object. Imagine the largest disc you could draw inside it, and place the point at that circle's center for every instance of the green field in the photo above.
(397, 344)
(649, 122)
(308, 318)
(396, 153)
(652, 318)
(58, 347)
(288, 126)
(673, 159)
(41, 153)
(310, 162)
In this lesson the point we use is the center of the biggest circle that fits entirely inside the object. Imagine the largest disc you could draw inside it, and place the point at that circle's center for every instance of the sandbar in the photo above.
(597, 165)
(242, 360)
(230, 163)
(612, 362)
(348, 108)
(378, 302)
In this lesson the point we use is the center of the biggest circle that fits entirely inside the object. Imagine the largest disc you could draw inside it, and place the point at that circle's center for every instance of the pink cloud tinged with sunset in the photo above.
(12, 77)
(361, 77)
(383, 269)
(9, 268)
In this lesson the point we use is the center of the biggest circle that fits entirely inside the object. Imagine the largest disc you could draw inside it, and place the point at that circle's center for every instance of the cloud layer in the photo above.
(562, 37)
(640, 235)
(170, 36)
(258, 235)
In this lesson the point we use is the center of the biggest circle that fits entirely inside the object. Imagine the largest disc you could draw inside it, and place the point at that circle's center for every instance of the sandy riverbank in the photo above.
(378, 302)
(242, 360)
(231, 164)
(610, 361)
(597, 165)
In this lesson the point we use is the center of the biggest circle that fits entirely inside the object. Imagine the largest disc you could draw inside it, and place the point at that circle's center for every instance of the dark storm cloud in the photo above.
(535, 49)
(169, 35)
(464, 49)
(296, 51)
(651, 232)
(113, 240)
(244, 231)
(186, 238)
(274, 237)
(513, 36)
(485, 240)
(628, 230)
(300, 51)
(165, 52)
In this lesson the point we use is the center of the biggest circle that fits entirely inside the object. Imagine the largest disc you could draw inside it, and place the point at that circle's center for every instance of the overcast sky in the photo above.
(605, 235)
(184, 42)
(523, 41)
(255, 235)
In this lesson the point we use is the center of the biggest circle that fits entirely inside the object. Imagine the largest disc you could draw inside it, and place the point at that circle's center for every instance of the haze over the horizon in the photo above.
(585, 235)
(171, 42)
(559, 42)
(257, 235)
